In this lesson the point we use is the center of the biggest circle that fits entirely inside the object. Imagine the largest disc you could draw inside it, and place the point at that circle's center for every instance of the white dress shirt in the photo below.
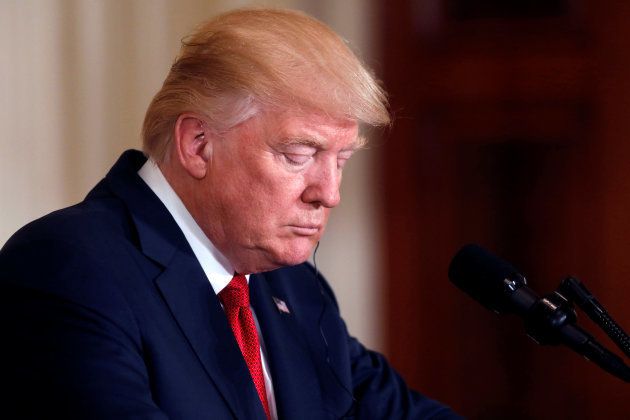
(217, 268)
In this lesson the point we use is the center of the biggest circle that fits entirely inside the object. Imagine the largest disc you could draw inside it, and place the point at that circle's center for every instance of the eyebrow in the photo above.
(357, 144)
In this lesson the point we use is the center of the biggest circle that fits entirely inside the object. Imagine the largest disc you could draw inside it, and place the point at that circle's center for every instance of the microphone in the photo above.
(498, 286)
(491, 281)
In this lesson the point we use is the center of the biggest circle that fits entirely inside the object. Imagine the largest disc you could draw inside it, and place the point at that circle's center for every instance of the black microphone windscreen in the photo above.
(485, 277)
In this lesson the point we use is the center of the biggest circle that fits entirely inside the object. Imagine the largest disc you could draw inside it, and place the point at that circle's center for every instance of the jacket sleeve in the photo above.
(381, 393)
(378, 391)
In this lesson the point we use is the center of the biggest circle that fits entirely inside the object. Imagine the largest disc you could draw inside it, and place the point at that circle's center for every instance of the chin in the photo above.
(294, 256)
(288, 261)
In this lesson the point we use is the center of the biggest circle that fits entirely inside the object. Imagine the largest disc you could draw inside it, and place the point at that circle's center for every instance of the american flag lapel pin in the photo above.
(281, 305)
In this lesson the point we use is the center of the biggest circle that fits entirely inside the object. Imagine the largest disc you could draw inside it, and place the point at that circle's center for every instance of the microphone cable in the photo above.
(352, 409)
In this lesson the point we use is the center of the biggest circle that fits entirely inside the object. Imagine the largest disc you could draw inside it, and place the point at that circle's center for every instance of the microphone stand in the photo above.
(551, 320)
(575, 291)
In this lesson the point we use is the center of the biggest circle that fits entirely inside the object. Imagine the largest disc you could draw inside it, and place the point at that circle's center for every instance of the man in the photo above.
(178, 288)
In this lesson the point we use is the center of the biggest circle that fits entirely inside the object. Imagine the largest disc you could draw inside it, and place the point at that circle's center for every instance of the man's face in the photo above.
(270, 187)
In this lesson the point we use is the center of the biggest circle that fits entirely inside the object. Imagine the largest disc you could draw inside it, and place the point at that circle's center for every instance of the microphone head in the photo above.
(488, 279)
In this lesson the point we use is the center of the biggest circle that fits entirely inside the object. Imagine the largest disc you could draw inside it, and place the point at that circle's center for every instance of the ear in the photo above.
(192, 143)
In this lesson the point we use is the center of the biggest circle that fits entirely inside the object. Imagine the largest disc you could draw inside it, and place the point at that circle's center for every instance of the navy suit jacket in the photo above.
(106, 313)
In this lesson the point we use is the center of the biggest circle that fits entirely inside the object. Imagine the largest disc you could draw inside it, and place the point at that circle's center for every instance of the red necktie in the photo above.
(235, 300)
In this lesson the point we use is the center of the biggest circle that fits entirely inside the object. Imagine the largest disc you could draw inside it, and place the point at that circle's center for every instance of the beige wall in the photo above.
(75, 79)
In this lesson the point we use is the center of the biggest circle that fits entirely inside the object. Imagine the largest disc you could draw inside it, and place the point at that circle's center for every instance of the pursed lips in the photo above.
(306, 229)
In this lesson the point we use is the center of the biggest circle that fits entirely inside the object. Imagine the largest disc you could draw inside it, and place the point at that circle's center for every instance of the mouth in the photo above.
(305, 230)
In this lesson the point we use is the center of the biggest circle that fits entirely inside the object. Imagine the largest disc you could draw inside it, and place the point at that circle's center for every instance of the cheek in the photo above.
(261, 205)
(279, 191)
(264, 194)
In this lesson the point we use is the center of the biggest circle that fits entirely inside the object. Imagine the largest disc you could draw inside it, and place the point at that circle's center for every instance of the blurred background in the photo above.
(511, 129)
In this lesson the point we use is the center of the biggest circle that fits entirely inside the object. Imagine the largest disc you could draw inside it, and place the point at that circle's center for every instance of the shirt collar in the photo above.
(217, 268)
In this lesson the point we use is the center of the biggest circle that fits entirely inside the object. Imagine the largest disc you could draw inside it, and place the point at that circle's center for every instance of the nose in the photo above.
(323, 185)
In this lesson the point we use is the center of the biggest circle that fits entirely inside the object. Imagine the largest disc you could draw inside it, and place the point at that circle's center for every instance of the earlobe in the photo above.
(192, 143)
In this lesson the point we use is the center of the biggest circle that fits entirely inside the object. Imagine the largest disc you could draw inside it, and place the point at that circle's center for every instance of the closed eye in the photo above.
(343, 157)
(297, 154)
(296, 159)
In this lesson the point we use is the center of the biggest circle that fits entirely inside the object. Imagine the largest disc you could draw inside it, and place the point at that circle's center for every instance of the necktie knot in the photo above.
(236, 293)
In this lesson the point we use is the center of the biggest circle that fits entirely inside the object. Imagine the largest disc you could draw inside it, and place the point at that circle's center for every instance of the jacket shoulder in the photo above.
(79, 226)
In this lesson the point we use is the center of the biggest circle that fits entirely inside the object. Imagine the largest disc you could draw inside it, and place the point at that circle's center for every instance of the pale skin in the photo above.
(262, 192)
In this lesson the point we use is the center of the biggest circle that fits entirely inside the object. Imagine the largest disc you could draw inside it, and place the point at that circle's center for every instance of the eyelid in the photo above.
(296, 158)
(298, 154)
(343, 157)
(300, 149)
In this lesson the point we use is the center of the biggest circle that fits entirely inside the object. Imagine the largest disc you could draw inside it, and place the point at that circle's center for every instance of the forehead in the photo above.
(314, 129)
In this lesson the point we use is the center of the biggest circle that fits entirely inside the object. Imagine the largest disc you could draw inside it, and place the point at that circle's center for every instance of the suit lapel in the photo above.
(185, 289)
(200, 316)
(296, 386)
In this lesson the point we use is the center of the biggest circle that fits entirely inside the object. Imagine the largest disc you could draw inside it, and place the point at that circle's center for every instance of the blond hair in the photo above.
(246, 60)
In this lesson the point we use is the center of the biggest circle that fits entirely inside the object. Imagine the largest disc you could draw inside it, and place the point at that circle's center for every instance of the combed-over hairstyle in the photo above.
(246, 60)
